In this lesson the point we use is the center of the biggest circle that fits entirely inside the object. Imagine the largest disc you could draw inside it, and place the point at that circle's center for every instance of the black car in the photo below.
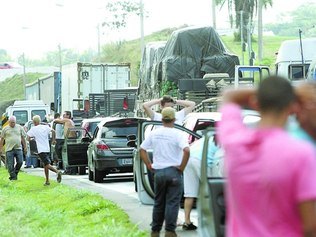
(108, 152)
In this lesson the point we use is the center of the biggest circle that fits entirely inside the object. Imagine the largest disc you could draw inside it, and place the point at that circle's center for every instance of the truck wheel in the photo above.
(82, 170)
(98, 176)
(90, 174)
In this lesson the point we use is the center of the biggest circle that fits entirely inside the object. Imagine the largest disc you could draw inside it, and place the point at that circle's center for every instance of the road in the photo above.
(119, 189)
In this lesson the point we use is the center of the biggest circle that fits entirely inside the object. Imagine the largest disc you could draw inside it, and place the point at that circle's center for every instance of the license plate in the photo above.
(127, 161)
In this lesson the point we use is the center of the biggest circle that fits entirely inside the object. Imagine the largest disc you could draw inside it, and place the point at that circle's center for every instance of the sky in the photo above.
(34, 27)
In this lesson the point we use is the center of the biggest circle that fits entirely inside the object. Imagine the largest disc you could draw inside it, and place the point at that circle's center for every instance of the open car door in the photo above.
(142, 176)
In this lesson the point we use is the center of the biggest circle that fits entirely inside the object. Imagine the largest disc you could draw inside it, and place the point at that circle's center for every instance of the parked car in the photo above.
(211, 204)
(108, 152)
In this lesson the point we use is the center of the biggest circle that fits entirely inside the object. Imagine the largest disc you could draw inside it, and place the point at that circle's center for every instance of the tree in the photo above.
(242, 12)
(120, 11)
(4, 56)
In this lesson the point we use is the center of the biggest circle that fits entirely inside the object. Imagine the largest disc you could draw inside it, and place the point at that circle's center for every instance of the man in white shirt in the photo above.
(170, 156)
(41, 134)
(168, 101)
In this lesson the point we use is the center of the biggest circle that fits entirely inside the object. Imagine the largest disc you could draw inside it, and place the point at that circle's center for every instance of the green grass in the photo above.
(30, 209)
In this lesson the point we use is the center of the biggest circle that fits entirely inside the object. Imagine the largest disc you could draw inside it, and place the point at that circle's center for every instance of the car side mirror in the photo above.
(131, 143)
(131, 137)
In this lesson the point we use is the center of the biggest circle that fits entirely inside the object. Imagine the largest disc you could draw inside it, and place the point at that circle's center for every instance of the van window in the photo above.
(298, 71)
(21, 116)
(41, 113)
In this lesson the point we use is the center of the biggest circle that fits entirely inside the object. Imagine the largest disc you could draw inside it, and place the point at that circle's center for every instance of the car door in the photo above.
(143, 177)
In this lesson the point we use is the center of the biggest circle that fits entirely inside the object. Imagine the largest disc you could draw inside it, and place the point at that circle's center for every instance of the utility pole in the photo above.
(24, 75)
(260, 28)
(142, 42)
(214, 13)
(99, 47)
(59, 55)
(242, 36)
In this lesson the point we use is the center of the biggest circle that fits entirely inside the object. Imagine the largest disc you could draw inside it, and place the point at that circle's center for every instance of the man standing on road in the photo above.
(168, 101)
(41, 134)
(170, 156)
(271, 188)
(59, 140)
(14, 137)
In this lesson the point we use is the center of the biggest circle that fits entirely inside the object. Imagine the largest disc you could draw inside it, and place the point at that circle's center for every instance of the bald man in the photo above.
(14, 136)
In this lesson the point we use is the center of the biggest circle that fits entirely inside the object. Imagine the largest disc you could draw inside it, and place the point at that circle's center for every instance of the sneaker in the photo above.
(28, 166)
(46, 183)
(190, 226)
(58, 176)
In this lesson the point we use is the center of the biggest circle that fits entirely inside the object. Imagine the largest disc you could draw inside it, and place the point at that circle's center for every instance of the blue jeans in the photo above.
(168, 187)
(10, 155)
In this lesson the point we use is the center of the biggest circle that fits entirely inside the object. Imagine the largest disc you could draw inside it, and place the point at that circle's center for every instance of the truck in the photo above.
(294, 58)
(24, 110)
(81, 79)
(188, 55)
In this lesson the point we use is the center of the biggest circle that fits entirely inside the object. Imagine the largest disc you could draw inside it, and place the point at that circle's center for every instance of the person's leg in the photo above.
(188, 205)
(159, 205)
(46, 161)
(10, 164)
(46, 171)
(173, 196)
(19, 160)
(28, 162)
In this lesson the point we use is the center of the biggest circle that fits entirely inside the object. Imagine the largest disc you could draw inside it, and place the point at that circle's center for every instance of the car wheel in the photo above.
(82, 170)
(90, 174)
(98, 176)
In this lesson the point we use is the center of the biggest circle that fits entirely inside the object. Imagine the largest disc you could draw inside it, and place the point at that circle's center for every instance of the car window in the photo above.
(21, 116)
(118, 131)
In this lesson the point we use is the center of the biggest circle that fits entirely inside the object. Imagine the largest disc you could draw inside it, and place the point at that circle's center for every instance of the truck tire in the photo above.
(90, 174)
(98, 176)
(82, 170)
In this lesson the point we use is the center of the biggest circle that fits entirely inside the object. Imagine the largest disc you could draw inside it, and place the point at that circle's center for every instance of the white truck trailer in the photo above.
(81, 79)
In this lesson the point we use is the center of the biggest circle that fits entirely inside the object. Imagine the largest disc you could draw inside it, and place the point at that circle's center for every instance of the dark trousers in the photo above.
(168, 187)
(10, 156)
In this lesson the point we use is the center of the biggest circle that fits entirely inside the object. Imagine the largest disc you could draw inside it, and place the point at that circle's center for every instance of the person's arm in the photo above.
(1, 144)
(53, 136)
(144, 156)
(147, 107)
(241, 97)
(307, 211)
(60, 120)
(187, 104)
(185, 158)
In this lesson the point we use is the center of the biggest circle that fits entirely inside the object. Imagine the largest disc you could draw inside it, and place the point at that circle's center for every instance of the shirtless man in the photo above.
(68, 123)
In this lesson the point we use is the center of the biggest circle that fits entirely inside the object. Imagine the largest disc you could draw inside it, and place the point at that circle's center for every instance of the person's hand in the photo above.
(54, 142)
(25, 150)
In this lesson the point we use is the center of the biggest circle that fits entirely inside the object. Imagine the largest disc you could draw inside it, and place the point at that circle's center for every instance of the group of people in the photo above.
(14, 138)
(270, 169)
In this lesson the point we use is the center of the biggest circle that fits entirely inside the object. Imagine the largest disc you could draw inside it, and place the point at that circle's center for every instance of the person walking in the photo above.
(41, 134)
(170, 156)
(14, 137)
(168, 101)
(271, 188)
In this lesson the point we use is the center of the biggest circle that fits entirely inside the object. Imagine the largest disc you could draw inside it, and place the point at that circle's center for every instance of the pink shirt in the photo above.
(268, 175)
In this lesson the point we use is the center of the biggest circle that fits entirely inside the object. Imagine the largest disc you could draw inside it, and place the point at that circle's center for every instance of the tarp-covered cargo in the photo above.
(193, 52)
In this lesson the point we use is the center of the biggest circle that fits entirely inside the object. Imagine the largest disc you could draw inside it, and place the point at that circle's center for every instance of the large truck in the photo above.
(294, 58)
(81, 79)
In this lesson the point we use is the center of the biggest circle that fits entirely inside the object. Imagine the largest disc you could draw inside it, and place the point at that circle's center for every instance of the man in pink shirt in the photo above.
(271, 177)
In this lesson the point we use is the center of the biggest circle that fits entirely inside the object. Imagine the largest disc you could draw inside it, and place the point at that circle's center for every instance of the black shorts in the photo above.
(44, 156)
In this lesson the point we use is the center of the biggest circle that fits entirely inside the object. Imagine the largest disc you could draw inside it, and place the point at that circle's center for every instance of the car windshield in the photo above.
(118, 131)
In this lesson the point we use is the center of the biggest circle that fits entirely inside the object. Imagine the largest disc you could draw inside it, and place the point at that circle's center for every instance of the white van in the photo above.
(289, 62)
(24, 110)
(311, 75)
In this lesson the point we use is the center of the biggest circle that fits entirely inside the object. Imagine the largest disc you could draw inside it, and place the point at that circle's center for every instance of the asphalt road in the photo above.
(119, 189)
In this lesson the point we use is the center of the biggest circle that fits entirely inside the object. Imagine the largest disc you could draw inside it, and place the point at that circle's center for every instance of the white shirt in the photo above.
(167, 145)
(180, 115)
(41, 135)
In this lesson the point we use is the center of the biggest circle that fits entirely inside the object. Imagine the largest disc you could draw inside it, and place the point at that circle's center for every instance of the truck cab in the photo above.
(24, 110)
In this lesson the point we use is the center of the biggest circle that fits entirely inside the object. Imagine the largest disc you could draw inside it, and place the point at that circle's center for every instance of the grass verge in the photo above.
(30, 209)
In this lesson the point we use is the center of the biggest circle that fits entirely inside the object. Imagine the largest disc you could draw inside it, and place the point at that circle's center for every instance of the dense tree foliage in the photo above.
(302, 18)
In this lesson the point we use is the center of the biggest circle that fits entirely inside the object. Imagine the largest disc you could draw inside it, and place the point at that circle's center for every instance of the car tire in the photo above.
(97, 176)
(90, 174)
(82, 170)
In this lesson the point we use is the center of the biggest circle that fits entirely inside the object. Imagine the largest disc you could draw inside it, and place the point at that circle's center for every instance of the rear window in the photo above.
(118, 131)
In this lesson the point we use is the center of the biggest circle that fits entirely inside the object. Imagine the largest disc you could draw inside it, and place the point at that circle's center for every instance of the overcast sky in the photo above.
(37, 26)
